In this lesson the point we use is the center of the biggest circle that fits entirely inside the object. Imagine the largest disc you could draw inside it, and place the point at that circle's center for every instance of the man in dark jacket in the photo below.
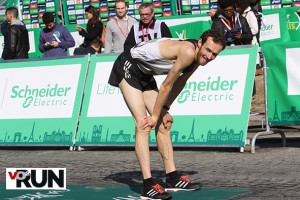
(4, 30)
(148, 28)
(17, 45)
(232, 25)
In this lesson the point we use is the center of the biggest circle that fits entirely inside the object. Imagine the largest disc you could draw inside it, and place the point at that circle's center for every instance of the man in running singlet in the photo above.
(133, 73)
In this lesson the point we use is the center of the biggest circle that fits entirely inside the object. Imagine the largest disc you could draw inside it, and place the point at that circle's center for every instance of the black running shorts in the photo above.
(126, 68)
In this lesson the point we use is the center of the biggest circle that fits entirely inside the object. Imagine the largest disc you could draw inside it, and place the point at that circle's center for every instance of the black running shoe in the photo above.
(155, 192)
(182, 184)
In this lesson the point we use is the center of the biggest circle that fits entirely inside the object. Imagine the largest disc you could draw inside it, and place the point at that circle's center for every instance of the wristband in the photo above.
(166, 107)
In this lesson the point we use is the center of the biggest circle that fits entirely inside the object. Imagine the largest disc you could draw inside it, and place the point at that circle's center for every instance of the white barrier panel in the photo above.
(40, 101)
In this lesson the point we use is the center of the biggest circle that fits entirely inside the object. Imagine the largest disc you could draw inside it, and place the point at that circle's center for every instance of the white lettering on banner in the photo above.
(271, 27)
(293, 71)
(39, 195)
(38, 92)
(214, 89)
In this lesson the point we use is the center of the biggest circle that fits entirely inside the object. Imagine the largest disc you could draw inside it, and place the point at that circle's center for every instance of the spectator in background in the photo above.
(117, 29)
(94, 27)
(231, 21)
(147, 29)
(4, 30)
(55, 39)
(17, 39)
(244, 9)
(93, 49)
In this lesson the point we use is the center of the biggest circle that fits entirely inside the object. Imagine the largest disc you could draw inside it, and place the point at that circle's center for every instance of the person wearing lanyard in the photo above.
(147, 29)
(232, 25)
(118, 28)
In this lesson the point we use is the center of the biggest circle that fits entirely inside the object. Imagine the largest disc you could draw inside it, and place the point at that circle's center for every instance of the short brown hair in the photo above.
(216, 36)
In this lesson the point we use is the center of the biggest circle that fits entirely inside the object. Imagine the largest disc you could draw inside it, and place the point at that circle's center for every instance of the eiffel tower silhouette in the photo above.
(275, 117)
(31, 135)
(192, 136)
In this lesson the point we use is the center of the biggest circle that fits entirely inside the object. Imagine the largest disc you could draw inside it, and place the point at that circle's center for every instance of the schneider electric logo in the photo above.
(209, 90)
(51, 95)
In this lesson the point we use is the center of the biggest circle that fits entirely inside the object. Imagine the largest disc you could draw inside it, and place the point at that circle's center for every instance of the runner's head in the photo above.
(210, 44)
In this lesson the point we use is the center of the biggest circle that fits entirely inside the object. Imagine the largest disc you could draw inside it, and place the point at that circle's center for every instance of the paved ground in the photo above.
(272, 172)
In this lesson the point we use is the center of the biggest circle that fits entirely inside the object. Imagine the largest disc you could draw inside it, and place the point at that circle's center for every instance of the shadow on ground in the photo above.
(134, 178)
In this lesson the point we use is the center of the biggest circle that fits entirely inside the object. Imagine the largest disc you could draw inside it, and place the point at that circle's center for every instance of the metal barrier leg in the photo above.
(267, 133)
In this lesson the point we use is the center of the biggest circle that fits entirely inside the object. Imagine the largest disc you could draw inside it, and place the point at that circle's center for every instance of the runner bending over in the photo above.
(133, 73)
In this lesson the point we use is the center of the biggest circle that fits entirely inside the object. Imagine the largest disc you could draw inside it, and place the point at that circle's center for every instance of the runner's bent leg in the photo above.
(135, 102)
(163, 136)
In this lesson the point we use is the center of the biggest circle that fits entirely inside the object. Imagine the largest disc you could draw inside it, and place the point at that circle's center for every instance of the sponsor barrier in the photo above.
(40, 104)
(40, 101)
(206, 112)
(282, 93)
(283, 83)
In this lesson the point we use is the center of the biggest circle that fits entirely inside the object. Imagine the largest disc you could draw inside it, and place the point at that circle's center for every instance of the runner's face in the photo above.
(146, 15)
(121, 9)
(208, 51)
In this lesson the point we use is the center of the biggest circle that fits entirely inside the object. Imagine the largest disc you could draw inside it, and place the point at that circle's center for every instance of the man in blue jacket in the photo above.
(55, 39)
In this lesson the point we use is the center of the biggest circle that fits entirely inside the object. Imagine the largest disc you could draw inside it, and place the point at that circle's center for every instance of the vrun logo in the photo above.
(47, 96)
(209, 90)
(35, 178)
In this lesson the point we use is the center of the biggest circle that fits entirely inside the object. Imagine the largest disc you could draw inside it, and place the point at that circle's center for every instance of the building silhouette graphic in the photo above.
(58, 136)
(192, 134)
(121, 137)
(291, 116)
(31, 135)
(96, 135)
(225, 135)
(276, 117)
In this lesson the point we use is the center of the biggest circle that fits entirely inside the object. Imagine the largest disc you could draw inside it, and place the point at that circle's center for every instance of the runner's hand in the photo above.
(167, 120)
(148, 121)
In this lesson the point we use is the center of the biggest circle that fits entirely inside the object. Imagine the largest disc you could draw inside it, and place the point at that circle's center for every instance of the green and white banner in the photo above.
(283, 83)
(274, 27)
(40, 101)
(213, 108)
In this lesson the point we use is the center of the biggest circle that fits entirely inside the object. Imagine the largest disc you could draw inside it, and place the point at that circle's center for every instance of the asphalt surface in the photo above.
(273, 172)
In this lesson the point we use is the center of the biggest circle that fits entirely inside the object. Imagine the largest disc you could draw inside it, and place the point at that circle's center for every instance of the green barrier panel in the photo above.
(283, 83)
(40, 101)
(212, 110)
(274, 28)
(185, 31)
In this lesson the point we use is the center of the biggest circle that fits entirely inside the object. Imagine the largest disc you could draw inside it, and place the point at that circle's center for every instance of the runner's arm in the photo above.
(185, 58)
